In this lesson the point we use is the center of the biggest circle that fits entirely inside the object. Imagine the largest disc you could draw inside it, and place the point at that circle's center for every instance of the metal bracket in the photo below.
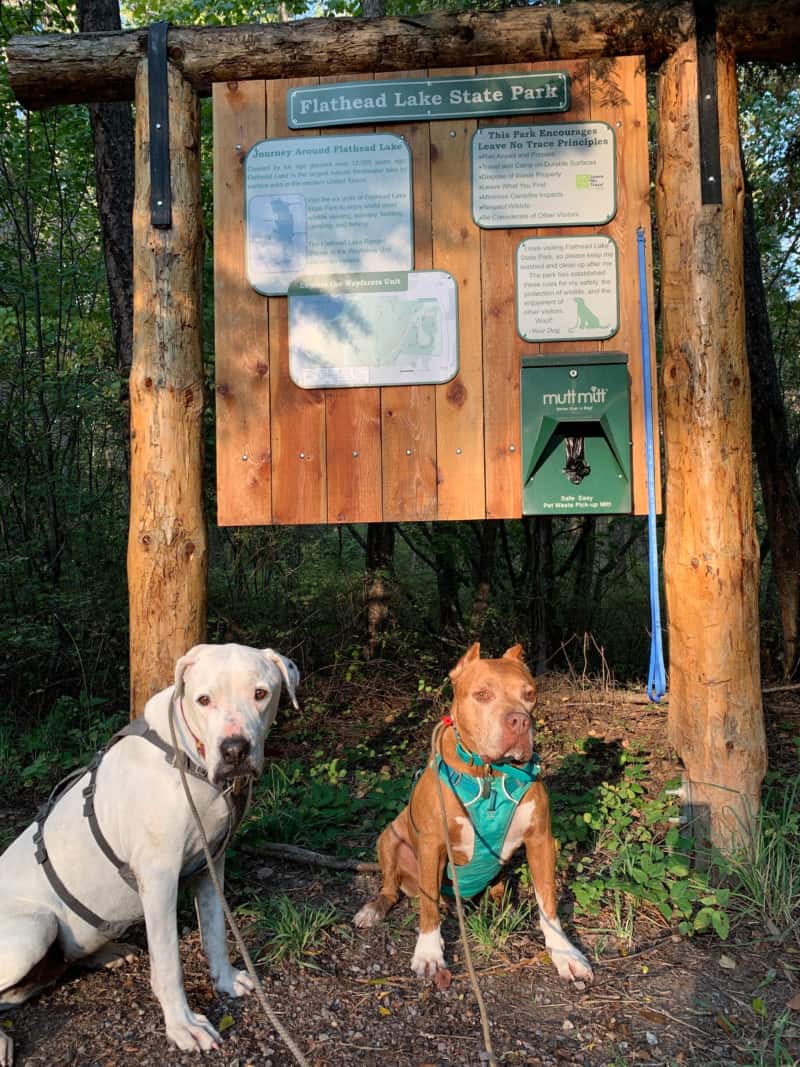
(707, 112)
(158, 93)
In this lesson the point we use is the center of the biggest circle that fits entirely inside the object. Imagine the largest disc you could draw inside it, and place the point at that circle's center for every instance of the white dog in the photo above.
(114, 845)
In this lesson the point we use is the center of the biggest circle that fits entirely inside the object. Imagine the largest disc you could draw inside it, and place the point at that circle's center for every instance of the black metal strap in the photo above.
(158, 93)
(707, 110)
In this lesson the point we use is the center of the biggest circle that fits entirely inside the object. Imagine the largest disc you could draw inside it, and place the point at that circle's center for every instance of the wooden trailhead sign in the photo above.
(388, 252)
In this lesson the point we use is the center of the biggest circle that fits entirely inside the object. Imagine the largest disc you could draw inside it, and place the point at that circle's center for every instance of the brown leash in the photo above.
(282, 1032)
(487, 1040)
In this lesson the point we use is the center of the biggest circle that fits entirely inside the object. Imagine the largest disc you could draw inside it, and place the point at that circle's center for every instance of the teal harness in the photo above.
(490, 804)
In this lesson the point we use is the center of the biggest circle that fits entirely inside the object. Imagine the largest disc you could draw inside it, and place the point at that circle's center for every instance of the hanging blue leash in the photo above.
(656, 679)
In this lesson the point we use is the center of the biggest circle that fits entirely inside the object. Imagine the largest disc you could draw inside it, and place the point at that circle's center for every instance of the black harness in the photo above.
(236, 799)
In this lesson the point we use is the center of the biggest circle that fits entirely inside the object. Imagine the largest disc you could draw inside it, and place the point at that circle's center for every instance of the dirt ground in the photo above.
(666, 1000)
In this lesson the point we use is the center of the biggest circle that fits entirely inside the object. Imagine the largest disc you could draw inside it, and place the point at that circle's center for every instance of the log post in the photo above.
(167, 539)
(711, 560)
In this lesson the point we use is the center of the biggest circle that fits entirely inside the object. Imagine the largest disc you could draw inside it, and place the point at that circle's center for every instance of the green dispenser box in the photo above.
(576, 441)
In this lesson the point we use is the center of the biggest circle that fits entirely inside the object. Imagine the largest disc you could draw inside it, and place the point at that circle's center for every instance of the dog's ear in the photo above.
(515, 652)
(182, 665)
(289, 672)
(473, 652)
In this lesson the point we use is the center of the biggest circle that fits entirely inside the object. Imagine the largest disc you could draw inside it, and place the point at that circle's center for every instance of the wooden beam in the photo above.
(711, 559)
(167, 540)
(48, 69)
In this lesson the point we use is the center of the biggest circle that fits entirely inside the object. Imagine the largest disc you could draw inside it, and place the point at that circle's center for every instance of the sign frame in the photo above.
(412, 100)
(560, 339)
(383, 283)
(545, 222)
(318, 145)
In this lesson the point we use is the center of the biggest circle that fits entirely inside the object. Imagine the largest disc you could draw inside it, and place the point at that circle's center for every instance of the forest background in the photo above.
(573, 590)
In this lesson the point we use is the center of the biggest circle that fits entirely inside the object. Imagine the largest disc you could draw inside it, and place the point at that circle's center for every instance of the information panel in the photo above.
(544, 175)
(567, 288)
(326, 205)
(373, 329)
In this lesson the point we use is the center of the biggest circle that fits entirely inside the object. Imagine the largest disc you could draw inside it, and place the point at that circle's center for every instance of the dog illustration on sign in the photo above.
(587, 320)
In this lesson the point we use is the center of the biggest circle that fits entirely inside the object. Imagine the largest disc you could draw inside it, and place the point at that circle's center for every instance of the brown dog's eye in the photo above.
(483, 696)
(204, 700)
(261, 694)
(529, 696)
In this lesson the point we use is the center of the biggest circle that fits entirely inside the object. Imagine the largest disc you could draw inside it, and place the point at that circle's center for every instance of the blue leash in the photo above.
(656, 679)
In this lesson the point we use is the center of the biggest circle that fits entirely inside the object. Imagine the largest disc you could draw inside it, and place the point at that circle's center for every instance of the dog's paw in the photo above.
(428, 956)
(571, 964)
(112, 955)
(235, 984)
(193, 1033)
(368, 916)
(6, 1050)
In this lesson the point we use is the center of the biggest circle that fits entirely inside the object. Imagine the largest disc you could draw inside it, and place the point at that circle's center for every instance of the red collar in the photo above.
(198, 744)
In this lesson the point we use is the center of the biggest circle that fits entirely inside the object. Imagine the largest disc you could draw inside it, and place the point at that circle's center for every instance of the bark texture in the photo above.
(711, 559)
(167, 541)
(47, 69)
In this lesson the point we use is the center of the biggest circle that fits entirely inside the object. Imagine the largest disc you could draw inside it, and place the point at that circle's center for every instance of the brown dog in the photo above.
(494, 803)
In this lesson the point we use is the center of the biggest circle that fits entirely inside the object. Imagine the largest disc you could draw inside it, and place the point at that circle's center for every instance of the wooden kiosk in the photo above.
(283, 454)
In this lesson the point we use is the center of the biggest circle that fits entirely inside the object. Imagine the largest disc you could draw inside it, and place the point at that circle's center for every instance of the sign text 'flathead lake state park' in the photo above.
(346, 103)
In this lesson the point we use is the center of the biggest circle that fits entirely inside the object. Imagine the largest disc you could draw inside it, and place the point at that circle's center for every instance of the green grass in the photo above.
(491, 923)
(295, 933)
(765, 877)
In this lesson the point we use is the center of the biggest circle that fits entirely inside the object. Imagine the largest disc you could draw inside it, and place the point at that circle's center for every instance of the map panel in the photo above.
(373, 329)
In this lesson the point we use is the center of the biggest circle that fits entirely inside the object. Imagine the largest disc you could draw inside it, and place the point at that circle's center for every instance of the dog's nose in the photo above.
(518, 721)
(234, 750)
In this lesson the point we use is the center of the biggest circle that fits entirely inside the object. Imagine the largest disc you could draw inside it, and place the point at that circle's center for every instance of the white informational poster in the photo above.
(326, 205)
(567, 288)
(544, 175)
(390, 328)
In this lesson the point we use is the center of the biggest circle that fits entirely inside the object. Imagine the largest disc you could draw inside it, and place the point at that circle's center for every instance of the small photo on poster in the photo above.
(277, 233)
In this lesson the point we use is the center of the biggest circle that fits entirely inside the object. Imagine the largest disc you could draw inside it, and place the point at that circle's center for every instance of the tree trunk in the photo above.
(167, 542)
(378, 570)
(112, 132)
(580, 615)
(483, 571)
(774, 454)
(447, 578)
(48, 69)
(711, 552)
(541, 595)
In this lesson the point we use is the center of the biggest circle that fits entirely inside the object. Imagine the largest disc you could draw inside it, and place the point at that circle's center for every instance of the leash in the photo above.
(282, 1032)
(487, 1040)
(656, 678)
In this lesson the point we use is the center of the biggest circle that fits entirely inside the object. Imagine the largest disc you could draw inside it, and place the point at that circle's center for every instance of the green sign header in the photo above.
(412, 100)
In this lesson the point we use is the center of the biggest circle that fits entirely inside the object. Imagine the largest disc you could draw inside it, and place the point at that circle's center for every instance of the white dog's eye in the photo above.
(204, 700)
(261, 694)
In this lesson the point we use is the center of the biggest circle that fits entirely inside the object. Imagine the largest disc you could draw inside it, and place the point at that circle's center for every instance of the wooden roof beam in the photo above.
(49, 69)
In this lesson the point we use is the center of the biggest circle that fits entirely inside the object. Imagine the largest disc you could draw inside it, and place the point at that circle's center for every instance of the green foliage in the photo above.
(322, 803)
(66, 738)
(617, 842)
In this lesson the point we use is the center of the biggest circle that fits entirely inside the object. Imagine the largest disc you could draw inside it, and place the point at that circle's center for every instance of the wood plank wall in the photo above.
(287, 455)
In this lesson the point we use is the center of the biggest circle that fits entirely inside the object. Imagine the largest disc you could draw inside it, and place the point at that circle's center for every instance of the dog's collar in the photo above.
(198, 744)
(526, 772)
